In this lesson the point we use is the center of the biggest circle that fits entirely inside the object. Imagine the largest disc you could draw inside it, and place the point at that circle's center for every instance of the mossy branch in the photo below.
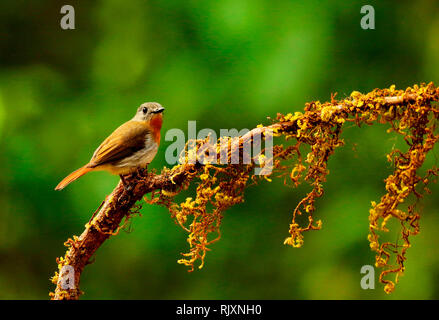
(119, 205)
(409, 113)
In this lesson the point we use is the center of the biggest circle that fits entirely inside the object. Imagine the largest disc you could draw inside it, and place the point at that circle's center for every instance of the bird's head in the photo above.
(148, 111)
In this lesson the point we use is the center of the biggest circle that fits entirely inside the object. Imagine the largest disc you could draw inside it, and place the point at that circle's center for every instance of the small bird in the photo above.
(131, 146)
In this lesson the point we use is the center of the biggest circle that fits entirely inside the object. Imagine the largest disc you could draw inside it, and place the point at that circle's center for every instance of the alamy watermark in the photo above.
(244, 147)
(368, 20)
(67, 22)
(68, 18)
(66, 277)
(368, 280)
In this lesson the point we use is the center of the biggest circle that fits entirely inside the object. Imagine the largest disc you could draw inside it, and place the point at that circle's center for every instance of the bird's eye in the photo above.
(145, 110)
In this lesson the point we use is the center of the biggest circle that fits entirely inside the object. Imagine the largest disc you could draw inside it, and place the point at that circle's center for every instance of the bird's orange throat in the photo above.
(156, 125)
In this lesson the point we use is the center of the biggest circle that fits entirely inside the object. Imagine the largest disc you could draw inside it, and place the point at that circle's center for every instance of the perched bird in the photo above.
(131, 146)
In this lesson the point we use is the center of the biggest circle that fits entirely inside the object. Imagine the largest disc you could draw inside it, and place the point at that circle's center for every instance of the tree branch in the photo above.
(120, 203)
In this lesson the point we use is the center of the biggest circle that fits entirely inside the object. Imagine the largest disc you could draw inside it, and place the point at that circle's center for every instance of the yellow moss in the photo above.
(168, 193)
(319, 128)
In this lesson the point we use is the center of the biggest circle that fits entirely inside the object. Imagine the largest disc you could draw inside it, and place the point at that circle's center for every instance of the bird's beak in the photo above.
(159, 110)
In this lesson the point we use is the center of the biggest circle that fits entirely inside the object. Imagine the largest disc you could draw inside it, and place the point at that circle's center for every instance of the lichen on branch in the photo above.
(411, 113)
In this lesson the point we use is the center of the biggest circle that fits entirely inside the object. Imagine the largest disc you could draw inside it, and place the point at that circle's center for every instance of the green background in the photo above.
(225, 64)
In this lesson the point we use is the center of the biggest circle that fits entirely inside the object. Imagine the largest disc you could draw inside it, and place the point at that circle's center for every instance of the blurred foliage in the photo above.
(226, 64)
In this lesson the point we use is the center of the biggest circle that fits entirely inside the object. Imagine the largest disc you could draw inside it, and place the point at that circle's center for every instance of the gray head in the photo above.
(147, 110)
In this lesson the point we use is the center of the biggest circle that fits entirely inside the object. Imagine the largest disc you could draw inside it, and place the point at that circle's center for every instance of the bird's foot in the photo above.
(142, 172)
(126, 186)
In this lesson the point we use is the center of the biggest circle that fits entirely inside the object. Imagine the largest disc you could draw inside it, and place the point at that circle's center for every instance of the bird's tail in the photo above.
(72, 177)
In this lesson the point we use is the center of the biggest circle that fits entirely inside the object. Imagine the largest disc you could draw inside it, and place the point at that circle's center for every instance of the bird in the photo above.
(131, 146)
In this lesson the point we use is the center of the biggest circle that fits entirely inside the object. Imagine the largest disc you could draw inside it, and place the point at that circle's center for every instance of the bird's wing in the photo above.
(123, 142)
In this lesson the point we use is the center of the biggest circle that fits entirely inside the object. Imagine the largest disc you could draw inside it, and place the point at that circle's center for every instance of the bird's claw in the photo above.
(125, 185)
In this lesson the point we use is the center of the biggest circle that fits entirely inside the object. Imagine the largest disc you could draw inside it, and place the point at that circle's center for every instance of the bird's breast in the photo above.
(156, 126)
